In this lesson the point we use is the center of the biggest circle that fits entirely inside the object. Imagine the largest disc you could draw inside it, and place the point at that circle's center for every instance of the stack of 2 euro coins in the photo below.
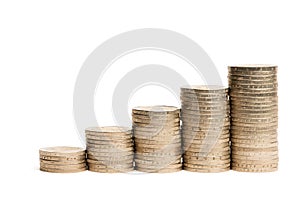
(109, 149)
(254, 112)
(62, 159)
(157, 139)
(205, 115)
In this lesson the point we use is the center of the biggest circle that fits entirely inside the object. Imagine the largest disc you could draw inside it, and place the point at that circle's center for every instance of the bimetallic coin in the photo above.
(62, 151)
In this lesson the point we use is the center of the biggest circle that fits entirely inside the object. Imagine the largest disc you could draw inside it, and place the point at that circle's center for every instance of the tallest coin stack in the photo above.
(254, 117)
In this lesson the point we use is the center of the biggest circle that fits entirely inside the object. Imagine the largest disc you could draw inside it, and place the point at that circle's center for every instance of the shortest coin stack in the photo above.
(109, 149)
(62, 159)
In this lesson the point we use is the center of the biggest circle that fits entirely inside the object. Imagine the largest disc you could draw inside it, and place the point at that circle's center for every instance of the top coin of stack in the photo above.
(254, 112)
(109, 149)
(62, 159)
(157, 138)
(205, 128)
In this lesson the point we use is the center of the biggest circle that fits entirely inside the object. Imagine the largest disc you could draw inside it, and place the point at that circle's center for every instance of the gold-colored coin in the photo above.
(217, 170)
(155, 109)
(255, 158)
(62, 151)
(110, 142)
(62, 170)
(257, 145)
(208, 153)
(254, 153)
(155, 121)
(120, 153)
(250, 136)
(165, 170)
(109, 129)
(110, 170)
(159, 137)
(113, 146)
(207, 157)
(158, 155)
(109, 138)
(240, 169)
(110, 157)
(205, 88)
(63, 158)
(208, 166)
(110, 162)
(253, 67)
(62, 166)
(62, 162)
(195, 99)
(149, 166)
(241, 102)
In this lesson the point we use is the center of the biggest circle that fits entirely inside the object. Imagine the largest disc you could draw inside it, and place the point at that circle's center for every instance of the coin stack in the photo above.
(109, 149)
(62, 159)
(205, 115)
(254, 111)
(157, 138)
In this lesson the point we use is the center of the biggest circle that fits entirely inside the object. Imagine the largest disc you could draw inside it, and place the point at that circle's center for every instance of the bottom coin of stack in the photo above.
(157, 139)
(205, 128)
(109, 149)
(62, 159)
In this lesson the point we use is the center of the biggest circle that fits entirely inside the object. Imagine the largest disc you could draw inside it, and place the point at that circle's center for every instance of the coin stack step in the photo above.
(157, 138)
(109, 149)
(205, 115)
(254, 117)
(62, 159)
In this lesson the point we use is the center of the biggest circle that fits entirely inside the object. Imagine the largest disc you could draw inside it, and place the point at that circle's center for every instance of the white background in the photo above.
(42, 48)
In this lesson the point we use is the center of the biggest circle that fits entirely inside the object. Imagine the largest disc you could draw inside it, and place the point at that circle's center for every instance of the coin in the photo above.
(212, 166)
(62, 162)
(110, 138)
(205, 88)
(62, 170)
(110, 142)
(155, 109)
(208, 153)
(62, 166)
(63, 158)
(240, 169)
(217, 170)
(110, 157)
(207, 157)
(237, 157)
(109, 129)
(164, 170)
(159, 166)
(62, 151)
(110, 170)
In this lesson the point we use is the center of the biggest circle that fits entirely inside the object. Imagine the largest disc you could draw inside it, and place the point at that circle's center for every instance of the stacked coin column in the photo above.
(205, 128)
(253, 93)
(109, 149)
(157, 139)
(62, 159)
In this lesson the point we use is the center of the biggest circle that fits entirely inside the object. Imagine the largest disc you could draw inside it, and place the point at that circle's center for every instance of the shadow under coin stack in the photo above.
(254, 111)
(157, 139)
(62, 159)
(205, 115)
(109, 149)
